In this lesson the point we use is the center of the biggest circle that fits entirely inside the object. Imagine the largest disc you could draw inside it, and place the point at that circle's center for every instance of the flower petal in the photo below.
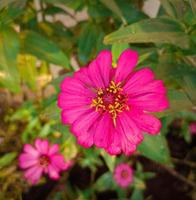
(82, 75)
(31, 150)
(138, 79)
(102, 131)
(68, 116)
(66, 101)
(42, 146)
(151, 102)
(38, 142)
(26, 160)
(114, 147)
(104, 60)
(82, 127)
(58, 162)
(129, 133)
(126, 62)
(33, 174)
(95, 75)
(147, 123)
(53, 149)
(45, 146)
(53, 172)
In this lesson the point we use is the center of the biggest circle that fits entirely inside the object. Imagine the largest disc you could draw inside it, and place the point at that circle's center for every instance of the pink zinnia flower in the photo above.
(42, 159)
(109, 107)
(123, 175)
(192, 128)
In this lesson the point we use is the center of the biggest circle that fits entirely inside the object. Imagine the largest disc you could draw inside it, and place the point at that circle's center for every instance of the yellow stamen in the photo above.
(117, 98)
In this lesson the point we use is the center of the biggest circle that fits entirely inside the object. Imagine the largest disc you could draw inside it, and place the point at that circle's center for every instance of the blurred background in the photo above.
(43, 41)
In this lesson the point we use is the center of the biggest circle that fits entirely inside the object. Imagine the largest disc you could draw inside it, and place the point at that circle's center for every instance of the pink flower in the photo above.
(123, 175)
(42, 159)
(109, 107)
(192, 128)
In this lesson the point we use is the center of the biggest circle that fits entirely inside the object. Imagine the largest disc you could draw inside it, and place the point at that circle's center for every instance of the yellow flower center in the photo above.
(111, 100)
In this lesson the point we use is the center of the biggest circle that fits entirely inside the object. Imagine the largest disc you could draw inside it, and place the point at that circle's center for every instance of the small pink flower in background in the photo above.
(123, 175)
(110, 107)
(42, 158)
(192, 128)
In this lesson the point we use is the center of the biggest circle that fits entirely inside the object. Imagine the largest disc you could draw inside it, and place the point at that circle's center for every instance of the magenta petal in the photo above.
(151, 102)
(82, 75)
(58, 161)
(155, 86)
(94, 74)
(129, 133)
(66, 101)
(70, 115)
(104, 61)
(130, 129)
(120, 180)
(27, 160)
(53, 149)
(102, 131)
(82, 128)
(53, 172)
(72, 86)
(85, 121)
(44, 146)
(148, 123)
(114, 147)
(138, 79)
(31, 150)
(126, 62)
(33, 174)
(38, 143)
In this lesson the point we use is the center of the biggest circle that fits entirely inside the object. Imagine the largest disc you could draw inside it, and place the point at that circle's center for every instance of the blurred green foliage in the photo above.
(35, 38)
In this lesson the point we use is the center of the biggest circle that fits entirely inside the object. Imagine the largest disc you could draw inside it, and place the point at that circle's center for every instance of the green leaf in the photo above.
(168, 7)
(91, 159)
(155, 148)
(139, 183)
(51, 112)
(9, 49)
(27, 68)
(87, 41)
(44, 49)
(175, 8)
(16, 3)
(29, 129)
(45, 130)
(179, 101)
(109, 160)
(186, 132)
(143, 57)
(156, 31)
(98, 10)
(117, 49)
(189, 85)
(57, 1)
(104, 182)
(130, 12)
(7, 159)
(57, 81)
(10, 10)
(111, 4)
(69, 148)
(137, 194)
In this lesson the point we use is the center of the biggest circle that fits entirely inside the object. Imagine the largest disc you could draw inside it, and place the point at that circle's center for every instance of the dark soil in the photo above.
(163, 187)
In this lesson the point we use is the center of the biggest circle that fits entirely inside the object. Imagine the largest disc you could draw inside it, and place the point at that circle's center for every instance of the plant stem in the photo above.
(177, 175)
(185, 162)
